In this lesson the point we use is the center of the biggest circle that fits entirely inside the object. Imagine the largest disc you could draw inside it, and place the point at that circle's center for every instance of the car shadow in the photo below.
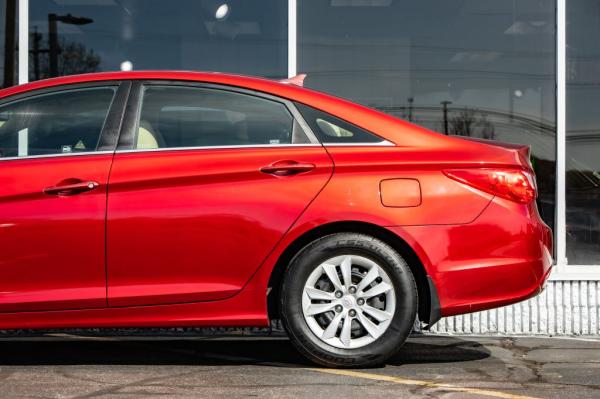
(83, 350)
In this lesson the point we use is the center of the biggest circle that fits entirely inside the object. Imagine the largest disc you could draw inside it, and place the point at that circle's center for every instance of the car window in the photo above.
(55, 123)
(179, 116)
(330, 129)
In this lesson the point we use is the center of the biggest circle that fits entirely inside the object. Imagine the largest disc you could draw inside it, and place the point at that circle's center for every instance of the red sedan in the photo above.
(172, 199)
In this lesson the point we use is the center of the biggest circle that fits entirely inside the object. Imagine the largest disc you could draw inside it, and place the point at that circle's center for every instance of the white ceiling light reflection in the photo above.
(126, 66)
(222, 11)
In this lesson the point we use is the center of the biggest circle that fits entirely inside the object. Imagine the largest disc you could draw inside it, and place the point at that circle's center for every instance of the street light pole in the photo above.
(445, 105)
(36, 51)
(53, 46)
(9, 43)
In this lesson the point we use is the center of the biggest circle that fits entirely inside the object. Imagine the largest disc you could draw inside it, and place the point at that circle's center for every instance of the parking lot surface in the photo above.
(226, 367)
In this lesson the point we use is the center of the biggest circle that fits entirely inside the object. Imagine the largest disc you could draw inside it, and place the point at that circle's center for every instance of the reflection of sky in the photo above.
(179, 34)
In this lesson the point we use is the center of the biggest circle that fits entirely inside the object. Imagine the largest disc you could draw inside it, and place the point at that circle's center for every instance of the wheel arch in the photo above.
(429, 309)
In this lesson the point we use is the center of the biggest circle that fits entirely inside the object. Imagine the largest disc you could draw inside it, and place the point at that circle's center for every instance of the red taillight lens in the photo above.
(515, 185)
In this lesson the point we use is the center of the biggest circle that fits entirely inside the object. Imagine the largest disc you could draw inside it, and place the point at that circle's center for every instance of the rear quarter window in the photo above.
(331, 129)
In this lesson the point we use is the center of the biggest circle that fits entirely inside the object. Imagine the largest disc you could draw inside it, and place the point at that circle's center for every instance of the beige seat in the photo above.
(332, 130)
(146, 138)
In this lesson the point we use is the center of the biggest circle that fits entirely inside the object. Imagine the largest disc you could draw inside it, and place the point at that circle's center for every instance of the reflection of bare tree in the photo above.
(76, 58)
(73, 58)
(468, 123)
(463, 124)
(492, 121)
(487, 127)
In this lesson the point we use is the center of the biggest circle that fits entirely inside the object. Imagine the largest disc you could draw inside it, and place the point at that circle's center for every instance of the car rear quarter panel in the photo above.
(353, 192)
(480, 251)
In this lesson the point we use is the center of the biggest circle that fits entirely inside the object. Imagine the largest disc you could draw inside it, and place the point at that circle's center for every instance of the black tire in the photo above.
(305, 262)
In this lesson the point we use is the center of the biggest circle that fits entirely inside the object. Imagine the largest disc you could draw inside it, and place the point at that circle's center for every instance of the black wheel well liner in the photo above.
(429, 307)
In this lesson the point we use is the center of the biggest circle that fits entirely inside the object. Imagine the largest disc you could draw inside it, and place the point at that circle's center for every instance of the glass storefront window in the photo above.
(583, 132)
(8, 43)
(78, 36)
(482, 68)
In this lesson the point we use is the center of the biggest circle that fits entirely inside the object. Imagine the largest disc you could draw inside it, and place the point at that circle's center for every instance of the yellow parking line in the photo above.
(427, 384)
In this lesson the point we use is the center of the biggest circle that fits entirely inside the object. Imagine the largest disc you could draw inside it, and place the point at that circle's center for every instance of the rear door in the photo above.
(56, 148)
(206, 181)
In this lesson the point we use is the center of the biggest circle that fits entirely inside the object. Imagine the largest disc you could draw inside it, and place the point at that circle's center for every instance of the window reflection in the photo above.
(480, 68)
(68, 37)
(583, 132)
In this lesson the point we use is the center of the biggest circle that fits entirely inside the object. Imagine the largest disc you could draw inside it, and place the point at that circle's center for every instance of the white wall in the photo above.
(564, 308)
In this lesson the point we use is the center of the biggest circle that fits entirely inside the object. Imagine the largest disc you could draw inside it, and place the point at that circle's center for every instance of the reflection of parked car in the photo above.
(186, 199)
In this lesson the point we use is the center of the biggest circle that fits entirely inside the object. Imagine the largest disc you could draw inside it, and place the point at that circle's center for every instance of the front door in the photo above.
(53, 200)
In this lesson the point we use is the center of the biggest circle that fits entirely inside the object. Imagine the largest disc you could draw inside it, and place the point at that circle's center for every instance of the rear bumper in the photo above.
(503, 257)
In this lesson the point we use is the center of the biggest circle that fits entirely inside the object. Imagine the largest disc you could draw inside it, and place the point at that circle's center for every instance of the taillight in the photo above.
(515, 185)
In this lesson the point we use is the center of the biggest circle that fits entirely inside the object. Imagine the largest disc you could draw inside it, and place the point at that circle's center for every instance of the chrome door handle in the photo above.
(287, 168)
(71, 189)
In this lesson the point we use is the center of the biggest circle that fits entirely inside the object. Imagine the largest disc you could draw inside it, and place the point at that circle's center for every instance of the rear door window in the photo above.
(181, 116)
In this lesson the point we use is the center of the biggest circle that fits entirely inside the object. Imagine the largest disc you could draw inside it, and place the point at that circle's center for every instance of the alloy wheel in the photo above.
(348, 301)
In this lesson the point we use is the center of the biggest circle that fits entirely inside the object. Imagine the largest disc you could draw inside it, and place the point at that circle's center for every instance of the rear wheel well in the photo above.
(415, 264)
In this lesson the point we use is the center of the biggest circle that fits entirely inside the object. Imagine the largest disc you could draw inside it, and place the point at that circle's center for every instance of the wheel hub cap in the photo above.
(331, 297)
(348, 302)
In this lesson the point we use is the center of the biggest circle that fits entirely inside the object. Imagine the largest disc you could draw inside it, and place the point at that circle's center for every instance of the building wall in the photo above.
(564, 308)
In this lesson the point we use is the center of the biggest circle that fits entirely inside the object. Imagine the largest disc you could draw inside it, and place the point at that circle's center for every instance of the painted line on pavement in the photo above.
(426, 384)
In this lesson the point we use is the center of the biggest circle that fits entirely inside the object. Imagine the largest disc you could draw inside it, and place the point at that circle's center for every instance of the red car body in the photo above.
(200, 237)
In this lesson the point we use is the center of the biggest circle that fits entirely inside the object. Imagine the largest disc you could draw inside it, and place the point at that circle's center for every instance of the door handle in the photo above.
(287, 168)
(71, 187)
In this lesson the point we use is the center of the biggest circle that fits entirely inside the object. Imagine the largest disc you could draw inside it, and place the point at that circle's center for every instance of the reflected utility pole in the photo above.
(36, 51)
(410, 108)
(10, 25)
(53, 46)
(445, 105)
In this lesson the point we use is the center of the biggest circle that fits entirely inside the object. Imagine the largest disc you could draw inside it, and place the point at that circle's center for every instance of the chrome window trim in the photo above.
(59, 155)
(383, 143)
(217, 147)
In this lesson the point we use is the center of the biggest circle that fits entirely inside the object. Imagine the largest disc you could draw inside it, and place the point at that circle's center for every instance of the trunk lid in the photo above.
(522, 151)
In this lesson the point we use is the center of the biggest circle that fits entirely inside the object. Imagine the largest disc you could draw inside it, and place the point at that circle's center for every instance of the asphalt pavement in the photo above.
(67, 366)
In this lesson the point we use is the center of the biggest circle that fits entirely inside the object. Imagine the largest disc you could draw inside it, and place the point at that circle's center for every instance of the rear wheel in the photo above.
(348, 300)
